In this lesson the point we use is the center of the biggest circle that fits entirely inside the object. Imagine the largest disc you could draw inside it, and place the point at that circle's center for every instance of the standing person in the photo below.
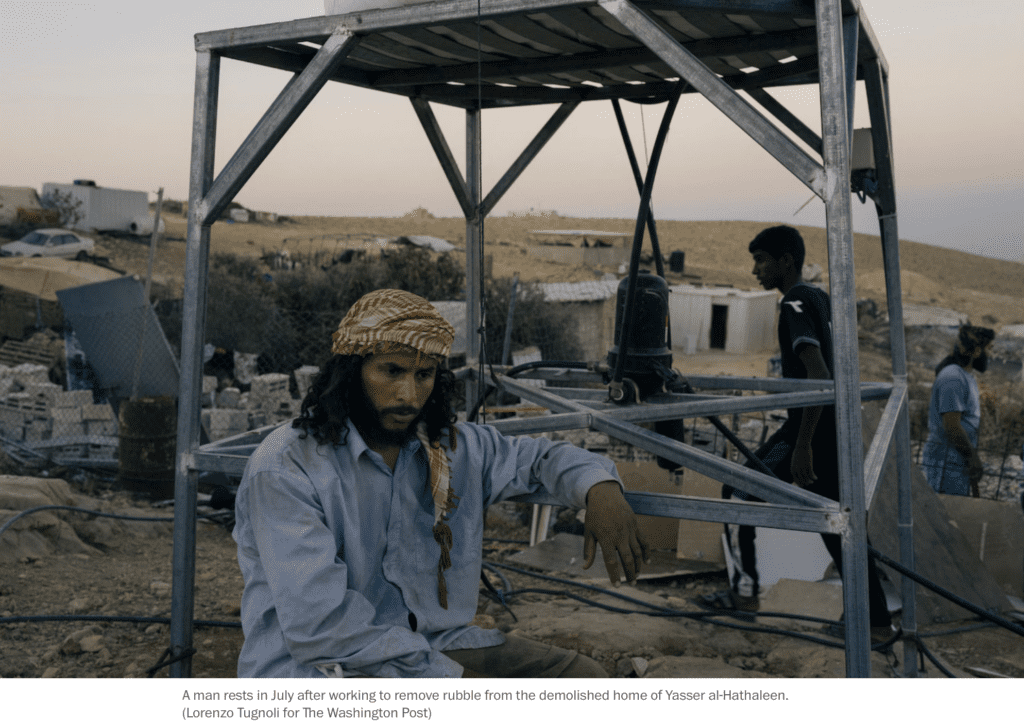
(803, 451)
(950, 456)
(360, 525)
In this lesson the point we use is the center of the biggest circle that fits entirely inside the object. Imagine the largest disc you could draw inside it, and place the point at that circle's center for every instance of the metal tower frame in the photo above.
(502, 53)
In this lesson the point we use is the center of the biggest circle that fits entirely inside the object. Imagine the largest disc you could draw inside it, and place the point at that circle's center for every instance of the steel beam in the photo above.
(719, 94)
(784, 116)
(726, 511)
(881, 443)
(881, 135)
(283, 112)
(197, 251)
(835, 152)
(527, 156)
(851, 26)
(474, 249)
(444, 155)
(740, 477)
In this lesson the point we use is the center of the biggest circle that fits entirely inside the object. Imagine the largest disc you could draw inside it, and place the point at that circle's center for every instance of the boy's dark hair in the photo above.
(777, 241)
(336, 394)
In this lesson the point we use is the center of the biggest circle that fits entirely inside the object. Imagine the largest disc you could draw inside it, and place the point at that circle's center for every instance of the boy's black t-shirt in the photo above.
(805, 317)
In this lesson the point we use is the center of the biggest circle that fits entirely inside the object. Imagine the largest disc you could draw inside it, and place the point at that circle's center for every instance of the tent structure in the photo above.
(489, 54)
(43, 277)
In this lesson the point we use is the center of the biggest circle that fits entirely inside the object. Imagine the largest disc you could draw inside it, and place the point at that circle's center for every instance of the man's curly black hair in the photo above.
(338, 388)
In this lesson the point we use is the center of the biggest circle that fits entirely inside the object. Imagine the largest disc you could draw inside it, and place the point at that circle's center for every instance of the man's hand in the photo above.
(612, 524)
(975, 471)
(802, 466)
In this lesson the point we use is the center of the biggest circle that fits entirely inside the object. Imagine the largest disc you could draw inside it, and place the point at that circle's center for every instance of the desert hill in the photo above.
(990, 291)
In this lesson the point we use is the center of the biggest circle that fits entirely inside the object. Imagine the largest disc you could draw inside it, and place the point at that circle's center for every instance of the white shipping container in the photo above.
(104, 209)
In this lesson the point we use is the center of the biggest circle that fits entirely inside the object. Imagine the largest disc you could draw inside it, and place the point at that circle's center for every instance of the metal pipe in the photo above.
(881, 135)
(652, 230)
(474, 251)
(836, 157)
(197, 251)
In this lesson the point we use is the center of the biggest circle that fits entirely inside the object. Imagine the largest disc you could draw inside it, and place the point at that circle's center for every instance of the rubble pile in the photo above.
(229, 411)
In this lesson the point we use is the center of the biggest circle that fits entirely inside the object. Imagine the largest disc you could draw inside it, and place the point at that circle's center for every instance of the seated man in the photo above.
(360, 526)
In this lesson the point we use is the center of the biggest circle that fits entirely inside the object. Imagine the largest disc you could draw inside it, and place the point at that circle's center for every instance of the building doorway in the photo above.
(719, 322)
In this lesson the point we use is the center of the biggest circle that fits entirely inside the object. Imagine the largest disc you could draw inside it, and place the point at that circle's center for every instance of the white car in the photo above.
(50, 242)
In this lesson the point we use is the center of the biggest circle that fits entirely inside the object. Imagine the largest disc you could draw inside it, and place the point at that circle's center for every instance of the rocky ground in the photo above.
(100, 600)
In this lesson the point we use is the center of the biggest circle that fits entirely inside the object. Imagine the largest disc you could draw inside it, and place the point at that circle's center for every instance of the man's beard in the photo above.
(981, 363)
(366, 419)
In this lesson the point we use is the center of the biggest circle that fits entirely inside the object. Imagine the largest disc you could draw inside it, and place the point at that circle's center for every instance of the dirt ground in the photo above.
(117, 577)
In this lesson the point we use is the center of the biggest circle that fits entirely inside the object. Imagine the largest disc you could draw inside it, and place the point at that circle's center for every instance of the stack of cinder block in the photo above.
(269, 399)
(304, 376)
(222, 423)
(25, 406)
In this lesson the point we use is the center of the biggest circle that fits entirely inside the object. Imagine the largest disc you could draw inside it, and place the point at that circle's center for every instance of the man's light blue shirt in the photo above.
(338, 554)
(955, 389)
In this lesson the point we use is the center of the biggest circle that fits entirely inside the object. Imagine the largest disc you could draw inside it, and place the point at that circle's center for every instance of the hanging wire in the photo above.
(481, 390)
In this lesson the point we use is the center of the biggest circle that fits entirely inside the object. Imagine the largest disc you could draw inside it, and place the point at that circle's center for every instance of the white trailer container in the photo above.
(106, 209)
(723, 319)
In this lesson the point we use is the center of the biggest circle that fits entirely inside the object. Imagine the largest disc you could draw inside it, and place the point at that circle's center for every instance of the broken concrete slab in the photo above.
(942, 554)
(813, 599)
(995, 532)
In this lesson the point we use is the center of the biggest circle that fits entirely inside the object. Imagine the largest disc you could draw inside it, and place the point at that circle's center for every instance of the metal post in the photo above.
(638, 237)
(197, 250)
(835, 147)
(474, 250)
(652, 229)
(881, 134)
(851, 28)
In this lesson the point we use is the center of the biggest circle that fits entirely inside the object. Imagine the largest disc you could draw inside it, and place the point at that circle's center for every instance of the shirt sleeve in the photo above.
(796, 316)
(323, 622)
(951, 393)
(521, 465)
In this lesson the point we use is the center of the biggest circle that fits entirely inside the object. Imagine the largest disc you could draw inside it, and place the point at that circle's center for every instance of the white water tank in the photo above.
(342, 7)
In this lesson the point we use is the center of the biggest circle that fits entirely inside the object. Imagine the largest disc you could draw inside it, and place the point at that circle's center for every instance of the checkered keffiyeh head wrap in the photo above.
(387, 321)
(390, 320)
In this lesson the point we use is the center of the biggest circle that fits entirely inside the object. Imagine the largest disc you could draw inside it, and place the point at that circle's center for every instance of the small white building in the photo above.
(106, 209)
(713, 318)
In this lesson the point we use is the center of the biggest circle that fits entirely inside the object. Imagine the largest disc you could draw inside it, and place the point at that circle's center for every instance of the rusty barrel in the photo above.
(147, 438)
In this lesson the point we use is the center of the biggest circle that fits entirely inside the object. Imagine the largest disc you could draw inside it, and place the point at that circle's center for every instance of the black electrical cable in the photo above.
(926, 652)
(113, 618)
(126, 517)
(960, 601)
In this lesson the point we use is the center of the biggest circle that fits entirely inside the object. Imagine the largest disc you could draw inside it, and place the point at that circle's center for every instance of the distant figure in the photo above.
(804, 450)
(950, 457)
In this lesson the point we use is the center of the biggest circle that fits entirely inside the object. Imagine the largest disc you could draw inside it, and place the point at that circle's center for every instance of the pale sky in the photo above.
(103, 90)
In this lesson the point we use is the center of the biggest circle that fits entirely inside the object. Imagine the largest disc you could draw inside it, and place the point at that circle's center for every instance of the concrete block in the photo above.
(97, 412)
(269, 385)
(12, 423)
(823, 600)
(67, 399)
(66, 429)
(101, 428)
(304, 376)
(25, 374)
(47, 390)
(70, 414)
(229, 398)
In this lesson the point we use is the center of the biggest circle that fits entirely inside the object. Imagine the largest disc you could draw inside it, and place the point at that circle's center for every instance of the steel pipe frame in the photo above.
(826, 181)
